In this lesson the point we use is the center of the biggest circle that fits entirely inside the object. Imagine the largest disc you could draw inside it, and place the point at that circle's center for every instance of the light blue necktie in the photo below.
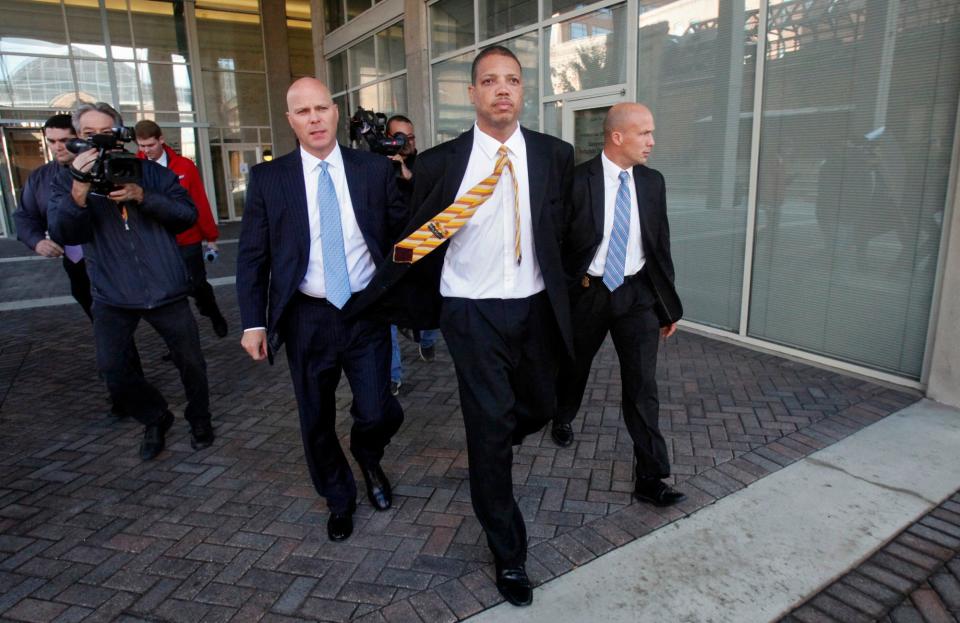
(335, 276)
(617, 251)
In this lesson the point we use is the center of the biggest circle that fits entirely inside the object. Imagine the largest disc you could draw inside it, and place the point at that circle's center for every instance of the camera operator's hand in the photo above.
(48, 248)
(213, 246)
(404, 171)
(127, 192)
(83, 163)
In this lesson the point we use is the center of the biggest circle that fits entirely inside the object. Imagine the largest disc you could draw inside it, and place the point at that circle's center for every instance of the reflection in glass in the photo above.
(703, 113)
(451, 26)
(453, 112)
(343, 126)
(392, 97)
(337, 72)
(39, 82)
(235, 99)
(363, 63)
(93, 80)
(526, 49)
(501, 16)
(333, 16)
(165, 87)
(356, 7)
(232, 38)
(588, 133)
(859, 104)
(391, 55)
(300, 42)
(552, 8)
(588, 51)
(30, 27)
(553, 118)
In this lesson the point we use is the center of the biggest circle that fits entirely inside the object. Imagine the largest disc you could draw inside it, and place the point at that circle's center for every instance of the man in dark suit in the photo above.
(489, 206)
(317, 222)
(619, 253)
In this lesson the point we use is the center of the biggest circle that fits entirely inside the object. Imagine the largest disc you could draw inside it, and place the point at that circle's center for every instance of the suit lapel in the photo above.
(294, 187)
(459, 158)
(538, 161)
(645, 206)
(358, 195)
(596, 186)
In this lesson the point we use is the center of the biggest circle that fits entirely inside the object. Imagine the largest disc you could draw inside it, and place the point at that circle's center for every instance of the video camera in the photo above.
(114, 166)
(371, 127)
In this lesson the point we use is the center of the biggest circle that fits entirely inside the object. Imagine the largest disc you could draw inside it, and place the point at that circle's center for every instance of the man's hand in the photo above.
(84, 161)
(48, 248)
(404, 171)
(668, 330)
(254, 342)
(127, 192)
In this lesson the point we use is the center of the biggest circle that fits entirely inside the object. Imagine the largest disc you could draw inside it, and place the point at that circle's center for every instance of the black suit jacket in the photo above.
(409, 294)
(274, 244)
(586, 234)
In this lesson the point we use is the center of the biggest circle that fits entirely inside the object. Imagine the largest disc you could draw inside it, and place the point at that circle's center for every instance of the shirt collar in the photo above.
(489, 145)
(311, 162)
(612, 170)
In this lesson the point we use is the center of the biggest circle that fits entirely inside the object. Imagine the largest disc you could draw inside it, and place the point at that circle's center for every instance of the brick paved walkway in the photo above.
(236, 532)
(915, 578)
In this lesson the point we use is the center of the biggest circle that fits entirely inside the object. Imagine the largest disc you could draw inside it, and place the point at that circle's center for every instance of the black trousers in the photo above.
(321, 344)
(79, 284)
(113, 331)
(202, 293)
(505, 354)
(628, 314)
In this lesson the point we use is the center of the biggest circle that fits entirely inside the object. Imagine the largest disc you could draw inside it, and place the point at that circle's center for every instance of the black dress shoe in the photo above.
(562, 434)
(514, 585)
(378, 487)
(340, 525)
(201, 435)
(219, 325)
(155, 437)
(657, 492)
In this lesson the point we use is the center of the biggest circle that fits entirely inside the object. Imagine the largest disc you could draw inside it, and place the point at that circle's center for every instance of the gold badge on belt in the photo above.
(585, 282)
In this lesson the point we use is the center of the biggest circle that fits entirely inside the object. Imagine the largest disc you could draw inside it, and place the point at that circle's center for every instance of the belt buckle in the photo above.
(585, 282)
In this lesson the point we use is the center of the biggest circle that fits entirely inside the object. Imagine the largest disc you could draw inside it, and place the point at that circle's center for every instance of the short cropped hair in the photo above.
(398, 119)
(493, 50)
(147, 129)
(101, 107)
(60, 122)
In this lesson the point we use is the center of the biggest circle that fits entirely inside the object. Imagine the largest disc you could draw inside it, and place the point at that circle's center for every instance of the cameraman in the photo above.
(135, 270)
(150, 141)
(398, 124)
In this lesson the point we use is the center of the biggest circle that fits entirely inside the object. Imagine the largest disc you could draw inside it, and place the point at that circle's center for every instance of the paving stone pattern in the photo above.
(915, 578)
(236, 532)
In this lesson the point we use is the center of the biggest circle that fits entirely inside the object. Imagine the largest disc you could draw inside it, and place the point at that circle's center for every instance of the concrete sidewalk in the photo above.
(236, 532)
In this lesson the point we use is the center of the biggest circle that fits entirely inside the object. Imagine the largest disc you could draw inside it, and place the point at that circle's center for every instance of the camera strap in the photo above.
(80, 176)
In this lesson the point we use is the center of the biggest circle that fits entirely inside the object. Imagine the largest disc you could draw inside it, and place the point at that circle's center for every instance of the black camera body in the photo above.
(370, 129)
(114, 166)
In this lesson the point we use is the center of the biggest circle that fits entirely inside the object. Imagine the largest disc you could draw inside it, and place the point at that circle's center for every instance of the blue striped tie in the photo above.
(335, 276)
(617, 251)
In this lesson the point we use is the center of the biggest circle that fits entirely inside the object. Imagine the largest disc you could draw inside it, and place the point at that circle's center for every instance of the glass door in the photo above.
(231, 167)
(583, 124)
(24, 152)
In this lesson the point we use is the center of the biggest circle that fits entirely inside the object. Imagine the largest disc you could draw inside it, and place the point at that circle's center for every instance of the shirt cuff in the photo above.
(255, 329)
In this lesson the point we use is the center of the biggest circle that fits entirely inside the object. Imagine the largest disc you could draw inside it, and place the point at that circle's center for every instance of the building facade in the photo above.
(809, 146)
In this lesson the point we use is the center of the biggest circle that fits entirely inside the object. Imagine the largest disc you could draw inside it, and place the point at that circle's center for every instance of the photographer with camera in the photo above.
(125, 212)
(153, 147)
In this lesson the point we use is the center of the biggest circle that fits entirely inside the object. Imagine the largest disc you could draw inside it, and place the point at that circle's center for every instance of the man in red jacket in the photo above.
(152, 146)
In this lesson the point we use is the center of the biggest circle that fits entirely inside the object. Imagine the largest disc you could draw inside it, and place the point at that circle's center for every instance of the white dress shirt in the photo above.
(360, 264)
(611, 182)
(481, 260)
(162, 160)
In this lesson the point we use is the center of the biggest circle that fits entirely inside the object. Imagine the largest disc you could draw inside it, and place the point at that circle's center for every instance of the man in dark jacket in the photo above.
(136, 272)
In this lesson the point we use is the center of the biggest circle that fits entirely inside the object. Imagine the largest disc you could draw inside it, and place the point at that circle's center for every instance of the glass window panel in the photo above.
(368, 98)
(31, 27)
(39, 82)
(588, 51)
(363, 63)
(235, 99)
(390, 52)
(84, 25)
(118, 23)
(451, 26)
(703, 113)
(453, 112)
(159, 31)
(393, 97)
(333, 14)
(343, 125)
(498, 17)
(94, 81)
(165, 87)
(265, 136)
(300, 42)
(552, 8)
(527, 51)
(553, 118)
(356, 7)
(337, 72)
(229, 40)
(859, 104)
(127, 84)
(6, 90)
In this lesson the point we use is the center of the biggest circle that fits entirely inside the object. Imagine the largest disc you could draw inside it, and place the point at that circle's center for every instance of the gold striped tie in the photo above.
(444, 225)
